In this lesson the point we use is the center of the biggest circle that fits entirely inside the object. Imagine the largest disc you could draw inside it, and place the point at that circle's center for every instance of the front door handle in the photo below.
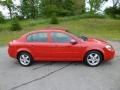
(31, 45)
(54, 45)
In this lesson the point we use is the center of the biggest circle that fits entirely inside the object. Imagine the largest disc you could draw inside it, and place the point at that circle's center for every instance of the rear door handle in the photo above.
(68, 46)
(54, 45)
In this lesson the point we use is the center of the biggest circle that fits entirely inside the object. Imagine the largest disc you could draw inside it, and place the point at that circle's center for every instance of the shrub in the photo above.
(113, 12)
(15, 26)
(2, 20)
(48, 10)
(64, 12)
(1, 29)
(91, 15)
(54, 19)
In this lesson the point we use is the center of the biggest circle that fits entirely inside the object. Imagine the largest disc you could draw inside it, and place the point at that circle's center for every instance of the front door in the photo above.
(62, 49)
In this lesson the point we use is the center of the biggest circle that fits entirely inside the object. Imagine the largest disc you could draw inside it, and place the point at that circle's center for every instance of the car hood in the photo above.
(97, 40)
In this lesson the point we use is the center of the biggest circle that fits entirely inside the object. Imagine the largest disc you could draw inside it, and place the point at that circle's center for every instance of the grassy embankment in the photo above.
(100, 28)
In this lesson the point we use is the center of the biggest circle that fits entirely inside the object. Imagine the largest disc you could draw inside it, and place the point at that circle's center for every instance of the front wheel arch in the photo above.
(94, 50)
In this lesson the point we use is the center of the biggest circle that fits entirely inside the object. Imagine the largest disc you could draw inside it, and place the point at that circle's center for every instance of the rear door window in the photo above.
(38, 37)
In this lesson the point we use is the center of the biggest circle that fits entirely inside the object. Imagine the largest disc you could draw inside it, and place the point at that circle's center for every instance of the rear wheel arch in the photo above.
(25, 58)
(23, 51)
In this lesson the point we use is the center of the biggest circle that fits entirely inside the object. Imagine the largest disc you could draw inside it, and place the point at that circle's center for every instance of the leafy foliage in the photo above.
(60, 7)
(95, 5)
(9, 4)
(91, 15)
(79, 6)
(116, 3)
(2, 20)
(29, 8)
(35, 8)
(54, 19)
(15, 26)
(32, 9)
(113, 12)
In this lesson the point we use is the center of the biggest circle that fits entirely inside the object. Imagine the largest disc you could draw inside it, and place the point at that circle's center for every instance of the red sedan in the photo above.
(55, 44)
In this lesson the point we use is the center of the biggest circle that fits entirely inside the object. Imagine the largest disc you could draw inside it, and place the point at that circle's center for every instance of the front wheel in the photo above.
(93, 58)
(25, 59)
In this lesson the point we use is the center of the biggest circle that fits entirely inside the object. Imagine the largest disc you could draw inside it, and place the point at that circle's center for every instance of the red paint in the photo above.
(50, 51)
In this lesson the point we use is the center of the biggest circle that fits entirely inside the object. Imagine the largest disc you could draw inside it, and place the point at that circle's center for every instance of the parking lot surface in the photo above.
(59, 75)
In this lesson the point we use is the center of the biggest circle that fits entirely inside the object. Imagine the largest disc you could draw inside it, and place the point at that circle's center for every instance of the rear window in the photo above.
(38, 37)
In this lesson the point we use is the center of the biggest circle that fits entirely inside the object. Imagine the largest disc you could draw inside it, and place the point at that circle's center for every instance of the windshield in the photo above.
(84, 38)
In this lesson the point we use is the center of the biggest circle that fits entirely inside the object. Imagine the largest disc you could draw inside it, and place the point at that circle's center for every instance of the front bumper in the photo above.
(109, 54)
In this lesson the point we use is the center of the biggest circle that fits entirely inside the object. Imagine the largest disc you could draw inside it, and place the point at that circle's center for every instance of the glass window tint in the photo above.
(60, 37)
(38, 37)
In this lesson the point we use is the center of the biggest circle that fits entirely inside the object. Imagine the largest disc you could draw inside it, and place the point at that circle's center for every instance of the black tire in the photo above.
(96, 59)
(25, 59)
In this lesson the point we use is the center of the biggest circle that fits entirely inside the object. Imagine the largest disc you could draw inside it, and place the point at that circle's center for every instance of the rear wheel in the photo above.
(93, 58)
(25, 59)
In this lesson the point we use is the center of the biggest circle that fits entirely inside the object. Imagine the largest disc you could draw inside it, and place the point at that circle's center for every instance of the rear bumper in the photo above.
(11, 52)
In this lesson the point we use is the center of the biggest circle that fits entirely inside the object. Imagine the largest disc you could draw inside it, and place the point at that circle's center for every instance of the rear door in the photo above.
(39, 45)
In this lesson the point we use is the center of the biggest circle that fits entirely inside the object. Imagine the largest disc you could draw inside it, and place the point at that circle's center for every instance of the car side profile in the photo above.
(55, 44)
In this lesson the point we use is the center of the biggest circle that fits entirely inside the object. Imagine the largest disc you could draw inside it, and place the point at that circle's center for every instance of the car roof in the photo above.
(42, 30)
(22, 38)
(49, 29)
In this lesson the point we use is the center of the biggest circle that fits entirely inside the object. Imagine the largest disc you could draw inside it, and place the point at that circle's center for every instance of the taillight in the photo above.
(10, 43)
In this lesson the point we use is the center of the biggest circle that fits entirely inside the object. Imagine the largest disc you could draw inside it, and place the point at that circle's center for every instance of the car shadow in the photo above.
(38, 65)
(42, 64)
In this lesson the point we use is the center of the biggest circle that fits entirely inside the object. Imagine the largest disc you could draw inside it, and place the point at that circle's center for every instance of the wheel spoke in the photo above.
(27, 57)
(96, 56)
(91, 56)
(90, 59)
(93, 61)
(23, 56)
(27, 61)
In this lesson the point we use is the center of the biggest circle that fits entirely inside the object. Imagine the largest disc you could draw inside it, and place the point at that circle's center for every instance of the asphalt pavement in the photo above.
(59, 75)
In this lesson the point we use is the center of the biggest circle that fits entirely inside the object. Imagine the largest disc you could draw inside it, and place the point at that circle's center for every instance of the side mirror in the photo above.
(73, 41)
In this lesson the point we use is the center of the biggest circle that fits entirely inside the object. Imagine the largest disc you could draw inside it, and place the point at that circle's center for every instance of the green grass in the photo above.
(100, 28)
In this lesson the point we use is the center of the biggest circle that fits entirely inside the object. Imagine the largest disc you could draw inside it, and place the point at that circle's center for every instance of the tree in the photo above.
(54, 19)
(9, 4)
(113, 11)
(47, 9)
(2, 20)
(116, 2)
(15, 25)
(95, 5)
(36, 8)
(29, 8)
(79, 6)
(60, 7)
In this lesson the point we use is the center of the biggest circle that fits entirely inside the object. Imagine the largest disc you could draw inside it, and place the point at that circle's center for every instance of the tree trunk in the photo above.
(10, 14)
(10, 11)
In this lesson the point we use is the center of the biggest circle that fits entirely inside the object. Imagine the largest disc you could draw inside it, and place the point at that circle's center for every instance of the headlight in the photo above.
(109, 47)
